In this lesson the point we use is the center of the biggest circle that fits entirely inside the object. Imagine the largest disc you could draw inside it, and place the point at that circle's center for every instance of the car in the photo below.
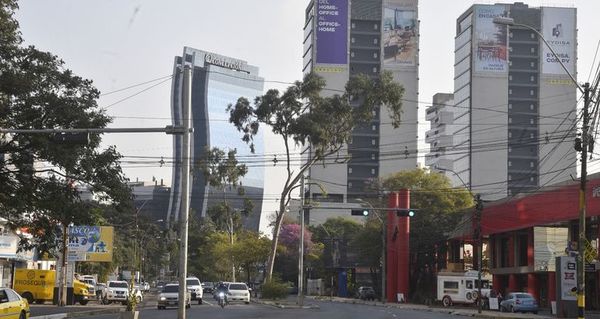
(13, 305)
(238, 291)
(519, 302)
(117, 291)
(169, 297)
(195, 287)
(366, 293)
(208, 287)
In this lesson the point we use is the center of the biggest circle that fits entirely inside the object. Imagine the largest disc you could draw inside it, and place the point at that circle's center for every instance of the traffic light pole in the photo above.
(479, 240)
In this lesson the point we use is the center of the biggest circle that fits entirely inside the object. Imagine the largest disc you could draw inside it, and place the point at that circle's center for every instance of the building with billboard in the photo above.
(344, 38)
(217, 81)
(514, 105)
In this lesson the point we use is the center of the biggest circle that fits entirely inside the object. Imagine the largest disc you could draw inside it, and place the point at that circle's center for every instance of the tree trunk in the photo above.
(275, 241)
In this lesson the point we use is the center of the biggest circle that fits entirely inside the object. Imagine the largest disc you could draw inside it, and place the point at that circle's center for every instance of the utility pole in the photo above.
(479, 240)
(185, 188)
(582, 203)
(301, 247)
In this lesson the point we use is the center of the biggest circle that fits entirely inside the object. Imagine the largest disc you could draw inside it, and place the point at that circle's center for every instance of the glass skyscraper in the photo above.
(217, 81)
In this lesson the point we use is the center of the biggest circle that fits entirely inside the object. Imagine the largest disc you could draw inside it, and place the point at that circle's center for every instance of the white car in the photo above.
(116, 291)
(238, 291)
(169, 297)
(195, 288)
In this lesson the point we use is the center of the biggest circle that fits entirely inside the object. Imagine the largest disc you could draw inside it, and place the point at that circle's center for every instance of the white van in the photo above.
(458, 287)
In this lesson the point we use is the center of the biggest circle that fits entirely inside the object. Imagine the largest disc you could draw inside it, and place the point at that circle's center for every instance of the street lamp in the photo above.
(585, 90)
(383, 244)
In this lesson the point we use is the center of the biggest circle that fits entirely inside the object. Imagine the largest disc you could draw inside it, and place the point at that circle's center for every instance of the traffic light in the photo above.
(80, 138)
(405, 212)
(360, 212)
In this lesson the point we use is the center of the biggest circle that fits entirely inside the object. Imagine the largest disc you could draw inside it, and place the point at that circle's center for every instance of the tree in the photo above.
(301, 115)
(439, 207)
(289, 249)
(38, 175)
(251, 251)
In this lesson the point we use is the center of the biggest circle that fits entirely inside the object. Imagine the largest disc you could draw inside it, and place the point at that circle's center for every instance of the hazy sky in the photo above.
(119, 43)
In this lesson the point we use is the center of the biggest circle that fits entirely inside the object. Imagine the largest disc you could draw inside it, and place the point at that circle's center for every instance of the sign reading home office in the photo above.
(332, 31)
(90, 243)
(558, 28)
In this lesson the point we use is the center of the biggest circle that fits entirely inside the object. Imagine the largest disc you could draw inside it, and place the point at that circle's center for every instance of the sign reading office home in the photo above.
(332, 31)
(558, 28)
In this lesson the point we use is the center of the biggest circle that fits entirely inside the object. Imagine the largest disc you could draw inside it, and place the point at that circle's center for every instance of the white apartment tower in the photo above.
(343, 38)
(514, 104)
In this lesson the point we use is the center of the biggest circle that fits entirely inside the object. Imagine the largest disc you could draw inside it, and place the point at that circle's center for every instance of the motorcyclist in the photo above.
(222, 287)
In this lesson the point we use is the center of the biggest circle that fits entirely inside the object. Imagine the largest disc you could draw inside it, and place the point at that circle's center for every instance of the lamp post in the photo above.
(383, 247)
(585, 90)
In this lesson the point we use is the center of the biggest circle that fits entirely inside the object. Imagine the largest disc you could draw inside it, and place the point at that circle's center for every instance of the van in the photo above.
(461, 287)
(37, 285)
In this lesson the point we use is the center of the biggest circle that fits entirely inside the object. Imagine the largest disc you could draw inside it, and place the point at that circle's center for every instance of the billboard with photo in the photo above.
(490, 51)
(558, 28)
(400, 42)
(548, 243)
(332, 31)
(90, 243)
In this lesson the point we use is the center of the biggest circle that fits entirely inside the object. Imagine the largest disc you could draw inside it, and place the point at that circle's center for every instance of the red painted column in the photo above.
(513, 285)
(403, 244)
(496, 282)
(532, 286)
(391, 257)
(398, 247)
(551, 286)
(511, 250)
(530, 249)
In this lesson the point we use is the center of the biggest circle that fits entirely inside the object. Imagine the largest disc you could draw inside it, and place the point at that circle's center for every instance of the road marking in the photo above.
(206, 302)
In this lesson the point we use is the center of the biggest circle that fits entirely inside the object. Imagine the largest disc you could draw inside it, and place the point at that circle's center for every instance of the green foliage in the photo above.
(303, 115)
(274, 289)
(37, 91)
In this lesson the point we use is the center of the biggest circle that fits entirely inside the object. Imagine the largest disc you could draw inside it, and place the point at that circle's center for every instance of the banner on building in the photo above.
(568, 278)
(558, 28)
(489, 40)
(90, 243)
(400, 42)
(548, 243)
(332, 31)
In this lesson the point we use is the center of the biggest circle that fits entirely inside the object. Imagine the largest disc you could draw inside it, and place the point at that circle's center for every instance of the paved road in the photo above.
(326, 310)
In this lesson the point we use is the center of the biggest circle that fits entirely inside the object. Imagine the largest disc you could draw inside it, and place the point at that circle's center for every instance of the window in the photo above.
(510, 177)
(532, 78)
(352, 40)
(510, 49)
(375, 41)
(531, 121)
(375, 26)
(375, 55)
(509, 149)
(372, 141)
(372, 171)
(531, 107)
(509, 134)
(509, 91)
(374, 69)
(509, 120)
(530, 135)
(349, 170)
(510, 106)
(350, 141)
(532, 35)
(509, 62)
(373, 156)
(532, 50)
(374, 127)
(532, 64)
(353, 25)
(510, 35)
(510, 77)
(469, 284)
(531, 164)
(531, 92)
(349, 184)
(509, 163)
(374, 112)
(531, 179)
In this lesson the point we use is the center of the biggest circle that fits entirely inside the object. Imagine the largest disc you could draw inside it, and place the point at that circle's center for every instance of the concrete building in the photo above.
(514, 105)
(344, 38)
(440, 135)
(217, 81)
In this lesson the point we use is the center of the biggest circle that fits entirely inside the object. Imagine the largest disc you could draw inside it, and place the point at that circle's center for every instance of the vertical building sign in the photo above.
(558, 28)
(489, 46)
(332, 31)
(400, 43)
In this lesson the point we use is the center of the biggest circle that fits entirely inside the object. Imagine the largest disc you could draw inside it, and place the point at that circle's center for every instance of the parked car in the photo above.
(519, 302)
(238, 291)
(13, 305)
(366, 293)
(169, 297)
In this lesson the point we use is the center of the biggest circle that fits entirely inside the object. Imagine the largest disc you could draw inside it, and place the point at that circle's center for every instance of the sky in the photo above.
(121, 43)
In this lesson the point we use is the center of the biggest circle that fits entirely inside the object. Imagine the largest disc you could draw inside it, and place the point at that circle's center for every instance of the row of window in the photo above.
(531, 178)
(531, 92)
(531, 106)
(375, 26)
(531, 135)
(510, 120)
(531, 164)
(373, 171)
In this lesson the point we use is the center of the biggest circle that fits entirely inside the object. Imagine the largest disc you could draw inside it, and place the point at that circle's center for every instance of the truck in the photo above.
(462, 287)
(37, 286)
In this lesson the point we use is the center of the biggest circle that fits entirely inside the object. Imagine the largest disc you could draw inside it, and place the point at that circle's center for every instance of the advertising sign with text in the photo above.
(332, 31)
(400, 43)
(90, 243)
(558, 28)
(489, 40)
(568, 278)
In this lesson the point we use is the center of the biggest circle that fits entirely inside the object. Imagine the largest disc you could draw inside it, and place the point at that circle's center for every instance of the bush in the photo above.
(274, 289)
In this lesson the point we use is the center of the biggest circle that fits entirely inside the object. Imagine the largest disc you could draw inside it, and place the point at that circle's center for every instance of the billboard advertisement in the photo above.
(558, 28)
(400, 43)
(490, 51)
(568, 278)
(332, 31)
(90, 243)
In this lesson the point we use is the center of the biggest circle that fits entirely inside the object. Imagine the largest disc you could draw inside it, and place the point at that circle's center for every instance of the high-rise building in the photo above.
(514, 104)
(217, 81)
(440, 134)
(344, 38)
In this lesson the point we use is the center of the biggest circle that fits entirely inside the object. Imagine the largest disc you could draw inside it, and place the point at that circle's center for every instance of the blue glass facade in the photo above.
(217, 81)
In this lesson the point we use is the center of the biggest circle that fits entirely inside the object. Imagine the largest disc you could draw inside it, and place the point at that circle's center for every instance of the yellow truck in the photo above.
(38, 285)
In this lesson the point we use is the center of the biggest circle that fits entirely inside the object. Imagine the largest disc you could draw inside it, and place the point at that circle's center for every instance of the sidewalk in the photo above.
(76, 313)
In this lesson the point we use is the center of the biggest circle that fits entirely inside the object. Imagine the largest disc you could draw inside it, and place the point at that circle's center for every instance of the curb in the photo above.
(284, 306)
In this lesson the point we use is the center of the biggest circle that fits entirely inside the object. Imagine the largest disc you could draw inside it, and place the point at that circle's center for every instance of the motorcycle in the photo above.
(222, 299)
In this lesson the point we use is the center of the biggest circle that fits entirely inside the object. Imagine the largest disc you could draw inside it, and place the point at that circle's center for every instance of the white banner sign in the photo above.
(568, 278)
(558, 28)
